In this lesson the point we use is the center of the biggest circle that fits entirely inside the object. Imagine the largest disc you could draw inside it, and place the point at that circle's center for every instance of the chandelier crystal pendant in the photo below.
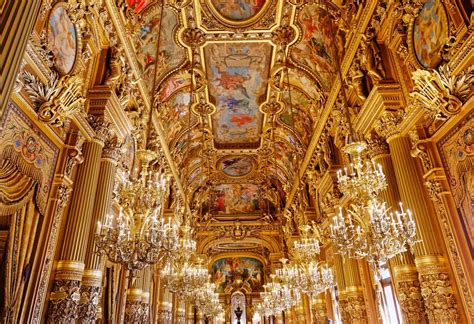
(386, 234)
(137, 236)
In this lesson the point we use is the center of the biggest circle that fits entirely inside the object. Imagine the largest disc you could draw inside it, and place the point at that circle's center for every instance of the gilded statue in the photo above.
(372, 60)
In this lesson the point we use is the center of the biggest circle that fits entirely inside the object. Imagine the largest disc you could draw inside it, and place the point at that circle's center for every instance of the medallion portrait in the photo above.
(62, 40)
(430, 33)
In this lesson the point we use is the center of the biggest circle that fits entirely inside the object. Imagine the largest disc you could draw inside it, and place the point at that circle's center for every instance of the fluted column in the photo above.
(146, 285)
(341, 286)
(353, 294)
(403, 269)
(17, 20)
(437, 292)
(181, 313)
(65, 293)
(189, 313)
(91, 280)
(165, 308)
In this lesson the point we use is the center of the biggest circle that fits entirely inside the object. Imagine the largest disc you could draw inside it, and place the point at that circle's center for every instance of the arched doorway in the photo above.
(238, 303)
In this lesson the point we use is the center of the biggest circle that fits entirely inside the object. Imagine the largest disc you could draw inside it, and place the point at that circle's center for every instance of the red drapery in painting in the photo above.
(17, 191)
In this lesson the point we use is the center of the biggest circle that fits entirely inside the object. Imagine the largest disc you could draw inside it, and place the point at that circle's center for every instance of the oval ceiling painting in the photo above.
(430, 33)
(238, 10)
(62, 39)
(236, 166)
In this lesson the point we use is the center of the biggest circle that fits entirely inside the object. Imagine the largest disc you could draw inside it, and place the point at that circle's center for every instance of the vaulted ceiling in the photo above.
(237, 144)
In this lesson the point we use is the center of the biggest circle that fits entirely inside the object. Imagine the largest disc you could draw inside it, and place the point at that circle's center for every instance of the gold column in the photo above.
(288, 317)
(300, 313)
(353, 294)
(133, 306)
(17, 20)
(279, 318)
(341, 286)
(146, 288)
(91, 280)
(320, 314)
(405, 276)
(437, 293)
(189, 313)
(65, 294)
(181, 318)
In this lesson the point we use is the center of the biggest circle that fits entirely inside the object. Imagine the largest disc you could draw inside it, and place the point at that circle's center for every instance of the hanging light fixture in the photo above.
(385, 235)
(137, 236)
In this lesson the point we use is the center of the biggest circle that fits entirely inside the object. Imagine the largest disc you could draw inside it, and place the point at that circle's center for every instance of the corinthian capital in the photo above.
(101, 126)
(388, 124)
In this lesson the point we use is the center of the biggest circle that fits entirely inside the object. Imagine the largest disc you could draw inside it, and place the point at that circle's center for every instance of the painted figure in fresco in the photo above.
(62, 40)
(238, 272)
(238, 9)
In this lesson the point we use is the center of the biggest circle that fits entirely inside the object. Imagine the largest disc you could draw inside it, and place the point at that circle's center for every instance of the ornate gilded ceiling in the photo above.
(238, 150)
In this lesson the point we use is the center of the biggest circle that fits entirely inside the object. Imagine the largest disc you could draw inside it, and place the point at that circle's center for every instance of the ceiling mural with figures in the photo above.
(236, 140)
(237, 75)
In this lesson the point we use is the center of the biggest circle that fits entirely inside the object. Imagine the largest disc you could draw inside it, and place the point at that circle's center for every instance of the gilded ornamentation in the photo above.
(38, 92)
(354, 307)
(101, 127)
(319, 312)
(113, 149)
(441, 94)
(407, 286)
(193, 37)
(64, 301)
(411, 301)
(57, 101)
(377, 146)
(438, 296)
(89, 303)
(420, 149)
(387, 125)
(271, 108)
(133, 311)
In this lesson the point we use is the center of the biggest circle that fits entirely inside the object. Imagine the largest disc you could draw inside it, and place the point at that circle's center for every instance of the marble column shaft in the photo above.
(354, 307)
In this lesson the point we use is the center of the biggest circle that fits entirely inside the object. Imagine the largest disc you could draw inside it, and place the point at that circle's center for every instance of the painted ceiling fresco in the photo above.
(237, 75)
(238, 10)
(315, 51)
(147, 33)
(236, 148)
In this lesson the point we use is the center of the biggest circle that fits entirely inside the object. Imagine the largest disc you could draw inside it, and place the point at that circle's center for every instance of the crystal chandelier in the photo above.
(309, 277)
(386, 234)
(277, 297)
(181, 276)
(137, 236)
(184, 280)
(307, 247)
(207, 300)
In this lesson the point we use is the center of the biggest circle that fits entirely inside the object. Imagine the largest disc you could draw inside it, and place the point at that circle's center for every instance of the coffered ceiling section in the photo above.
(238, 146)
